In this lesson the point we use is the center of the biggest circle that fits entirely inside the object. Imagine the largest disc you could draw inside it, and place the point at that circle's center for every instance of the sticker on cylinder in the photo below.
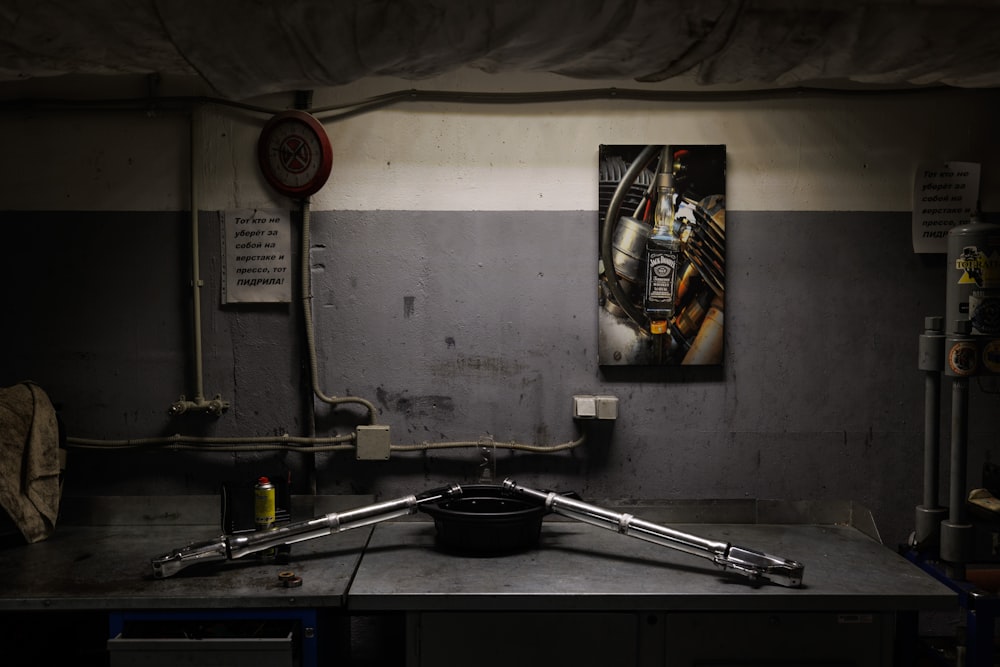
(984, 311)
(962, 358)
(991, 356)
(978, 267)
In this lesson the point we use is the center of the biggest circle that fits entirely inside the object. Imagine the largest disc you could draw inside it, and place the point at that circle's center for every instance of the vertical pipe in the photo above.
(196, 262)
(305, 285)
(930, 360)
(956, 533)
(932, 437)
(216, 406)
(959, 448)
(307, 315)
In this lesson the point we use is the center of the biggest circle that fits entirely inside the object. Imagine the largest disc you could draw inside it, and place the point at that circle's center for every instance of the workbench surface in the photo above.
(579, 567)
(103, 563)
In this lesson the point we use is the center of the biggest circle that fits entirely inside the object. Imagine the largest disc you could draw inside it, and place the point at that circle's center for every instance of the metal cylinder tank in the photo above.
(973, 274)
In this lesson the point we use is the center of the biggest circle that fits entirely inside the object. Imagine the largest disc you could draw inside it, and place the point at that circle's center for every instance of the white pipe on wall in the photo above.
(217, 405)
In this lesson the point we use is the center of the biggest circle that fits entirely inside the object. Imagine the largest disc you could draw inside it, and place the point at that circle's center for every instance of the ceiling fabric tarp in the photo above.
(245, 48)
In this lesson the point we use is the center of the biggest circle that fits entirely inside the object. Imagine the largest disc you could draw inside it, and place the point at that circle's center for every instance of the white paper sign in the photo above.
(257, 267)
(944, 196)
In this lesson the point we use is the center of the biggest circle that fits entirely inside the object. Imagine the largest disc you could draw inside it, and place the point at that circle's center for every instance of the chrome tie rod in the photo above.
(753, 564)
(230, 547)
(748, 562)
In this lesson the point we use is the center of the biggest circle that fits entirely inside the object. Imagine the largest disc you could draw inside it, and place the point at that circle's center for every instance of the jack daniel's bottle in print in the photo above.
(663, 250)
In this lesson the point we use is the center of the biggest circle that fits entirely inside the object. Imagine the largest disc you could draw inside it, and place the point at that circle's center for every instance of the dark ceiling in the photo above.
(242, 49)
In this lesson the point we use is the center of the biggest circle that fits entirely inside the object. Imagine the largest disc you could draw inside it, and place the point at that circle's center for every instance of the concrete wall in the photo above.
(453, 256)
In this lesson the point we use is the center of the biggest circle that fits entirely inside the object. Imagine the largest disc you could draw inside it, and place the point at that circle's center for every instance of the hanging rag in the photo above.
(29, 460)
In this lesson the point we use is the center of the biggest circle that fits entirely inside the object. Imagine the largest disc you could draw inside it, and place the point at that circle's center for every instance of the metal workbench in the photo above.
(578, 587)
(586, 595)
(89, 587)
(99, 558)
(578, 566)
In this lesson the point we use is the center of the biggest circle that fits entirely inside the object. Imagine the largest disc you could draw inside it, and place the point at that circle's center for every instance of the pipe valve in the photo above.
(214, 407)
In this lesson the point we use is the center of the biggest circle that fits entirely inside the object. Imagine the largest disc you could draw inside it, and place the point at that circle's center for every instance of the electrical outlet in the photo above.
(586, 406)
(607, 407)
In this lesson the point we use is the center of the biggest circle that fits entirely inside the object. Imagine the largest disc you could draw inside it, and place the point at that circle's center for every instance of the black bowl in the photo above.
(483, 521)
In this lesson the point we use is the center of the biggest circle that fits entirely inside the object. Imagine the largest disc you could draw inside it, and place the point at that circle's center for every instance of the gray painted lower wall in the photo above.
(466, 325)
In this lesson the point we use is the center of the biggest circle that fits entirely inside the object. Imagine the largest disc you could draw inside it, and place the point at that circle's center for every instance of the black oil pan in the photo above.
(484, 521)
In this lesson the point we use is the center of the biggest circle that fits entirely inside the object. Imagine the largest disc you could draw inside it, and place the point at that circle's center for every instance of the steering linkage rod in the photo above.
(748, 562)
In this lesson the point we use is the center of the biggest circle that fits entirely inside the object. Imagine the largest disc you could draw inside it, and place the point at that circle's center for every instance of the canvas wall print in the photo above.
(662, 264)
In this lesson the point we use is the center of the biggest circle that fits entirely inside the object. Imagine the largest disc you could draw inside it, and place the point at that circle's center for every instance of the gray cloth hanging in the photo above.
(29, 460)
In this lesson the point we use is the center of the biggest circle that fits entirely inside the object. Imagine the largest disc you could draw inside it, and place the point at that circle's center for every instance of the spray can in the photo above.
(263, 504)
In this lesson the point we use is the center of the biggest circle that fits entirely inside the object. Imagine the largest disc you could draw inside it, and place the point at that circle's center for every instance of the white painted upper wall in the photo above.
(822, 152)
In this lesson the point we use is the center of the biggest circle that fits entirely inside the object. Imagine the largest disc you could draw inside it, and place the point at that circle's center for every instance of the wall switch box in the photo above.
(372, 443)
(584, 407)
(607, 407)
(595, 407)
